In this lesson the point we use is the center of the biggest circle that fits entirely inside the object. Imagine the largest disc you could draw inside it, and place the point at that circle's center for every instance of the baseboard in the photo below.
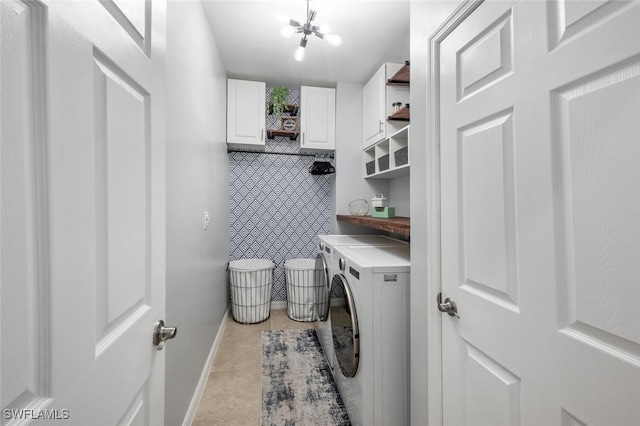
(197, 395)
(278, 304)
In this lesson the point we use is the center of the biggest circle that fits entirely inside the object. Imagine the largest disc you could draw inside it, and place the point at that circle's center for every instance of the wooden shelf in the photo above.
(397, 225)
(402, 115)
(401, 77)
(272, 133)
(291, 110)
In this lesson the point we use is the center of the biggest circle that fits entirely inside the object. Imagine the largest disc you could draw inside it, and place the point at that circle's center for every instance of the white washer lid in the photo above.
(356, 240)
(380, 259)
(300, 264)
(250, 264)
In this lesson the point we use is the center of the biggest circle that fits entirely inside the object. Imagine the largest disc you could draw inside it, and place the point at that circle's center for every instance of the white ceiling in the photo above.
(252, 48)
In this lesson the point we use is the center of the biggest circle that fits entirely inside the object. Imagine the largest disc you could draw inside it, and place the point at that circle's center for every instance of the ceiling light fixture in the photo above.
(307, 29)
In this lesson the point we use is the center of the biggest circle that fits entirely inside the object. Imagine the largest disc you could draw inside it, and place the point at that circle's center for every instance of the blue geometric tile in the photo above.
(277, 206)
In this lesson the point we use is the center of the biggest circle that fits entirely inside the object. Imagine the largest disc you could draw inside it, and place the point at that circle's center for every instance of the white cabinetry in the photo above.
(246, 114)
(317, 119)
(377, 102)
(389, 157)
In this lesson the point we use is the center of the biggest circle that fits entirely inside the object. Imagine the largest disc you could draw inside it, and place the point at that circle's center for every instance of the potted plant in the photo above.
(278, 99)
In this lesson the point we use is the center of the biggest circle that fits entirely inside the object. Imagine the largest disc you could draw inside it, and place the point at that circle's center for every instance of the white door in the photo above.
(540, 192)
(246, 113)
(318, 118)
(82, 217)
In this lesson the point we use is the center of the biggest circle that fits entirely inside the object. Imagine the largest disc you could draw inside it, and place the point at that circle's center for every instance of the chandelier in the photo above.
(307, 29)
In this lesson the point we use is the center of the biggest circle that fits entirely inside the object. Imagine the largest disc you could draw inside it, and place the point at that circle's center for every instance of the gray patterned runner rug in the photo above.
(297, 385)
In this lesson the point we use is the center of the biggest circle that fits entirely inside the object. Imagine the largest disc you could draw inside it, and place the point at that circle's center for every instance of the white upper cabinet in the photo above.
(246, 114)
(373, 108)
(317, 119)
(377, 103)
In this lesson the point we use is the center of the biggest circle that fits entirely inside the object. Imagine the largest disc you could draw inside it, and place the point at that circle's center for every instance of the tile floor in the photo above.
(232, 396)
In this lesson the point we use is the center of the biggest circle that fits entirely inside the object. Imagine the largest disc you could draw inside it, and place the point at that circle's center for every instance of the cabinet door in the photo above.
(318, 118)
(373, 96)
(245, 112)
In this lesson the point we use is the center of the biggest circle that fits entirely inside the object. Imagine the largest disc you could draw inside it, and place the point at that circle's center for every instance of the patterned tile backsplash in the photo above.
(277, 206)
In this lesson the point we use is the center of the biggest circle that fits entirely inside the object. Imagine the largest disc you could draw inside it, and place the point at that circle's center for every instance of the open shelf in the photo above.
(388, 158)
(402, 115)
(401, 77)
(397, 225)
(291, 109)
(272, 133)
(391, 173)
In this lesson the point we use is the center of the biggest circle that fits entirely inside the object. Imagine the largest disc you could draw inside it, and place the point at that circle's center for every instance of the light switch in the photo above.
(207, 219)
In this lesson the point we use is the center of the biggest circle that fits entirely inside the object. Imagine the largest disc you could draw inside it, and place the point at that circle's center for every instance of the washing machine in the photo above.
(326, 246)
(370, 332)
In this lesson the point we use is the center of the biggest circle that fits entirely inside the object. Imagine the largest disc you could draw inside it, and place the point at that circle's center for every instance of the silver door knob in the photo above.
(161, 334)
(449, 306)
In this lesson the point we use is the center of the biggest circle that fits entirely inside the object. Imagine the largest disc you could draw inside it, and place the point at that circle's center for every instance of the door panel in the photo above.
(134, 17)
(122, 147)
(492, 393)
(486, 58)
(487, 204)
(540, 223)
(597, 171)
(570, 18)
(82, 181)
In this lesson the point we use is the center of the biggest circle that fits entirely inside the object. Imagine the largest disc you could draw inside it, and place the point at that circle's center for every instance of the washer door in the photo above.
(322, 286)
(344, 327)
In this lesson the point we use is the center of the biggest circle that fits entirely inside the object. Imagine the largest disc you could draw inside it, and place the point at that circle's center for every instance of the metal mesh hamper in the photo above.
(251, 281)
(305, 290)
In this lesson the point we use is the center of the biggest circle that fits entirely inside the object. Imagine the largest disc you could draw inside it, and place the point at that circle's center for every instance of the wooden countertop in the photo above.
(397, 225)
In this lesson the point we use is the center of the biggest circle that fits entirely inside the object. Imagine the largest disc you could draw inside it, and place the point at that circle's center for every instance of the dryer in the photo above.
(370, 333)
(326, 246)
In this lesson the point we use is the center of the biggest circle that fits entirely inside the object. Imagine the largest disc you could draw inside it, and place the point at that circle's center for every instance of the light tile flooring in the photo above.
(232, 396)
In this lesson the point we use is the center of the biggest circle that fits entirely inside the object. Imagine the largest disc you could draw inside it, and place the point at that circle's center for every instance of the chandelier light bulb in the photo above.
(333, 39)
(299, 55)
(288, 31)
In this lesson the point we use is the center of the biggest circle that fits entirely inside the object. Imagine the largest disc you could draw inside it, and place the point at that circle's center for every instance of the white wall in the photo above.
(398, 195)
(426, 17)
(350, 182)
(197, 181)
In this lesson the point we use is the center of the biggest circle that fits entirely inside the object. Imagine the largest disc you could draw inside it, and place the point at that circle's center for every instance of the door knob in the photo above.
(161, 334)
(449, 306)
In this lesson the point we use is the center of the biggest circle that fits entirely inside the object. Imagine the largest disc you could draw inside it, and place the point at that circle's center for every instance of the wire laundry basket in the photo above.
(306, 292)
(250, 281)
